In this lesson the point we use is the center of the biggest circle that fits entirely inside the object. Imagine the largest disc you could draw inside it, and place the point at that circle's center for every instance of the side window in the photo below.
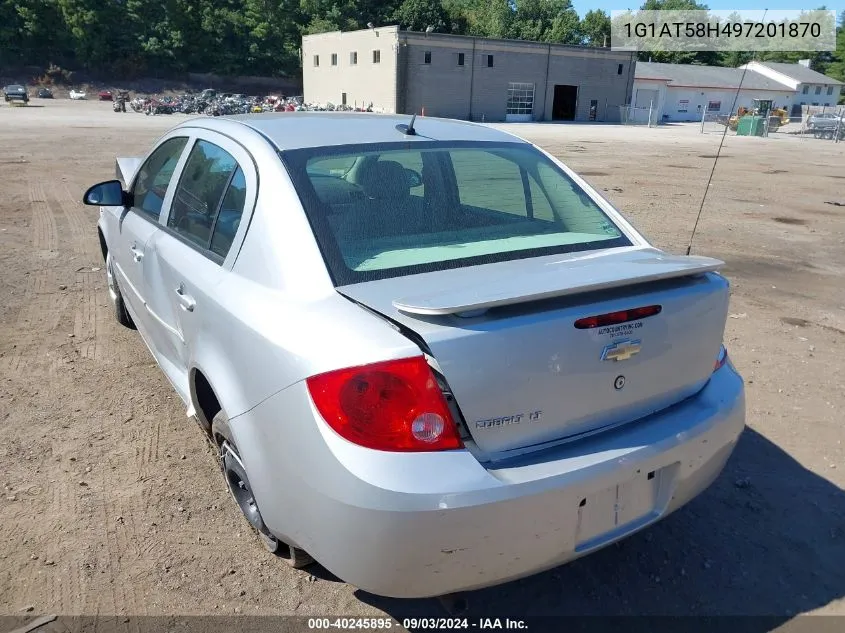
(154, 177)
(487, 181)
(197, 198)
(229, 218)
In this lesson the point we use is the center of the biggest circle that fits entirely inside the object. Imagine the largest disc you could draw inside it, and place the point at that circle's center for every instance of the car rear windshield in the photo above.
(396, 209)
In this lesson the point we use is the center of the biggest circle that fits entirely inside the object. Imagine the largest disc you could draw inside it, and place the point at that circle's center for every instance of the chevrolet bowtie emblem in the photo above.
(621, 350)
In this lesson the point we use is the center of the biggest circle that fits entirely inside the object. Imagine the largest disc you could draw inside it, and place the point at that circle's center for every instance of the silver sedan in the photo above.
(431, 357)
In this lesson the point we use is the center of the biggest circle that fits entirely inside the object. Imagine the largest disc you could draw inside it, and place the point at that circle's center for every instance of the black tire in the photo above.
(115, 298)
(237, 481)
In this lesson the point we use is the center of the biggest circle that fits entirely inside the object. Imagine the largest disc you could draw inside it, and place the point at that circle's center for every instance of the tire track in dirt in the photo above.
(85, 317)
(92, 313)
(83, 230)
(38, 309)
(44, 234)
(42, 352)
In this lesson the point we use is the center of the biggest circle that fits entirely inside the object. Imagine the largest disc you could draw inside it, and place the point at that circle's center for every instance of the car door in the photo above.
(197, 246)
(151, 188)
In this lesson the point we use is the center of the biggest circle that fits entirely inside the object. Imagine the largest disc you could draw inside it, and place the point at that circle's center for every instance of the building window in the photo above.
(830, 90)
(619, 69)
(806, 89)
(316, 60)
(489, 61)
(818, 90)
(714, 106)
(334, 59)
(353, 58)
(520, 98)
(427, 57)
(376, 57)
(342, 98)
(460, 59)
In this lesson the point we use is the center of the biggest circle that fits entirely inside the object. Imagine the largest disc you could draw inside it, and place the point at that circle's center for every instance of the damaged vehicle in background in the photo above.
(429, 355)
(15, 93)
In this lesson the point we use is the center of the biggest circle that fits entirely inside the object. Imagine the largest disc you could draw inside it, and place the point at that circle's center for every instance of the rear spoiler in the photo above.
(125, 168)
(580, 275)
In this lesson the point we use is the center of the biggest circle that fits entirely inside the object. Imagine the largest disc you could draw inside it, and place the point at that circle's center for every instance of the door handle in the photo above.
(137, 255)
(185, 300)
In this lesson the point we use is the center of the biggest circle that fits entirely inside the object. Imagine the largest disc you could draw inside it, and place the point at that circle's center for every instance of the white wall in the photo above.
(822, 99)
(697, 99)
(364, 82)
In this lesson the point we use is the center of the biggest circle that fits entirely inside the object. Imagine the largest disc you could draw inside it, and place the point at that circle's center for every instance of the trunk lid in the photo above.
(523, 375)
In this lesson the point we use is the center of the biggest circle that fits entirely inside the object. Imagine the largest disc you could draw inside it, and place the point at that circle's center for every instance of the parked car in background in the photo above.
(77, 95)
(15, 93)
(449, 362)
(44, 93)
(105, 95)
(823, 121)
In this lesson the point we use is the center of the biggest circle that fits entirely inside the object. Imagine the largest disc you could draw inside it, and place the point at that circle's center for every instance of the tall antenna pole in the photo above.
(719, 151)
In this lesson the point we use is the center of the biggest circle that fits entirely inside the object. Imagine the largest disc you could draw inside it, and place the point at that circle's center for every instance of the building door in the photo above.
(563, 106)
(646, 98)
(645, 104)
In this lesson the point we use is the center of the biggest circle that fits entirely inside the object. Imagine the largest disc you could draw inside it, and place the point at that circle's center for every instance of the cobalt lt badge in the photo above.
(620, 350)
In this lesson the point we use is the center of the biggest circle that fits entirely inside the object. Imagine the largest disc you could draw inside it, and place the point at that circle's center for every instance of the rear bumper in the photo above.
(416, 525)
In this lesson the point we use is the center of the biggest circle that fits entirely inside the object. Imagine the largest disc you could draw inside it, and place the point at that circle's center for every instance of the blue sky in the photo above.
(582, 6)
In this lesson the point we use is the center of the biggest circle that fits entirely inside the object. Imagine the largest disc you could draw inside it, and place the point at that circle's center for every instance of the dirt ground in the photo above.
(112, 503)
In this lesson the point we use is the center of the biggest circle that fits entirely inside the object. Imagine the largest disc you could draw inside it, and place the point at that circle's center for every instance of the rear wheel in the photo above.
(115, 298)
(237, 481)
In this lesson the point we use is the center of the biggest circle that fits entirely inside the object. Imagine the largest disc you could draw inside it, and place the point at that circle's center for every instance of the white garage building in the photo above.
(682, 92)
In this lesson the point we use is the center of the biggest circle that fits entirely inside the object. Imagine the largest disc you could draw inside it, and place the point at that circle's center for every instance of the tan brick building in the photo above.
(466, 77)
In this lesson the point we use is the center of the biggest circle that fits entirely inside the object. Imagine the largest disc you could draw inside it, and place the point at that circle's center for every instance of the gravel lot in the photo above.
(112, 503)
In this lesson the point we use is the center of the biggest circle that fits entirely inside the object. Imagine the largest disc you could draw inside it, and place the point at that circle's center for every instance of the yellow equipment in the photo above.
(761, 107)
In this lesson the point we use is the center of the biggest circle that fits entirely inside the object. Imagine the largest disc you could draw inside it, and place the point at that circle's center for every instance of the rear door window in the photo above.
(207, 175)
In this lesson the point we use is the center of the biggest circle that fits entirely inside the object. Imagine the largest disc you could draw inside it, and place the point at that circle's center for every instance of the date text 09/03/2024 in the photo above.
(431, 624)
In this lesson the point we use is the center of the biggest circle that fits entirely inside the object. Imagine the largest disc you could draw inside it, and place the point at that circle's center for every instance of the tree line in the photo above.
(136, 38)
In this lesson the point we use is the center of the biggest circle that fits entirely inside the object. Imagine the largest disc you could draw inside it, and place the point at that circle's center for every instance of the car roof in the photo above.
(300, 130)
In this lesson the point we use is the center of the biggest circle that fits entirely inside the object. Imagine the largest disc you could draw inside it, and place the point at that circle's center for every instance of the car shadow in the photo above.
(766, 539)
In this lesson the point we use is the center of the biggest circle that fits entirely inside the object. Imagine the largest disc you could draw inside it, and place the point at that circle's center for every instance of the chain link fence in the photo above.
(633, 115)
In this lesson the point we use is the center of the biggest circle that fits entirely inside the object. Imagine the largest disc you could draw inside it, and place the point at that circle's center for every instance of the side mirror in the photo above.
(414, 179)
(107, 194)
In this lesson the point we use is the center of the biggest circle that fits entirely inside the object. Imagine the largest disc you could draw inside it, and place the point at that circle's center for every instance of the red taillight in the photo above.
(615, 318)
(395, 405)
(721, 359)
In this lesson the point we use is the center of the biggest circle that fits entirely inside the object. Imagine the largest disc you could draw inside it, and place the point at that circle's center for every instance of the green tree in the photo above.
(418, 15)
(273, 35)
(836, 68)
(595, 28)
